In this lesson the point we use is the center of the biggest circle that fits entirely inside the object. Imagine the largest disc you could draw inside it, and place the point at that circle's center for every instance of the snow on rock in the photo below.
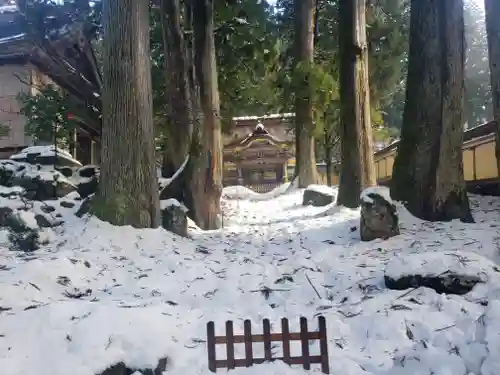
(451, 272)
(172, 203)
(323, 189)
(379, 217)
(318, 195)
(174, 216)
(86, 180)
(382, 191)
(98, 295)
(437, 263)
(45, 155)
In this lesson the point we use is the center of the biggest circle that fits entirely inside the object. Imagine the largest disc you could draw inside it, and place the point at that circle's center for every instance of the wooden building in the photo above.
(14, 76)
(24, 67)
(258, 151)
(479, 160)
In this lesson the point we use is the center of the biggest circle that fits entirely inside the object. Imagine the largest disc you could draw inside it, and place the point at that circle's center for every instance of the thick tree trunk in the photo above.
(327, 145)
(180, 115)
(305, 159)
(428, 170)
(128, 190)
(179, 112)
(357, 165)
(211, 136)
(492, 8)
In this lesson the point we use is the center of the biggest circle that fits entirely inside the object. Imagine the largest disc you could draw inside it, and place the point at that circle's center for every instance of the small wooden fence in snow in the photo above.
(264, 188)
(267, 338)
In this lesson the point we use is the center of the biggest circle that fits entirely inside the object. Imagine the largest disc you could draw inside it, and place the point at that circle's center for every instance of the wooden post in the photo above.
(211, 347)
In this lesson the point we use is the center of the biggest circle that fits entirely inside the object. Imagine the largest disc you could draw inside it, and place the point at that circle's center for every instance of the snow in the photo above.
(8, 8)
(172, 202)
(435, 264)
(45, 151)
(322, 189)
(98, 294)
(242, 192)
(381, 191)
(12, 38)
(28, 218)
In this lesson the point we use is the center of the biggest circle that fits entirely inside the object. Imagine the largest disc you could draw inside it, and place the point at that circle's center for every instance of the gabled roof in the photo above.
(260, 133)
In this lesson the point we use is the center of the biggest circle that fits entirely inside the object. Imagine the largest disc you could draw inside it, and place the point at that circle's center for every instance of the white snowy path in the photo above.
(149, 294)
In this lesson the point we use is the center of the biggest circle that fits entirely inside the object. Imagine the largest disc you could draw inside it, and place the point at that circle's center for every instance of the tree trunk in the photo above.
(428, 170)
(180, 114)
(305, 159)
(128, 189)
(492, 8)
(328, 155)
(357, 164)
(206, 73)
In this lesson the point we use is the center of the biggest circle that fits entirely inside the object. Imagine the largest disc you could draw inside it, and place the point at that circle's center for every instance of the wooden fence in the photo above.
(264, 188)
(267, 338)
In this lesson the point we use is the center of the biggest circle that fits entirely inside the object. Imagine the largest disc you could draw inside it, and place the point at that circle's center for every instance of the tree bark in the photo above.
(182, 130)
(206, 74)
(305, 158)
(327, 145)
(357, 164)
(128, 188)
(492, 8)
(428, 170)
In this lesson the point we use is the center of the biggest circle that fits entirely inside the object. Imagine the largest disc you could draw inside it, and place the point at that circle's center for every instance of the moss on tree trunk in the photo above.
(492, 8)
(128, 190)
(357, 166)
(428, 170)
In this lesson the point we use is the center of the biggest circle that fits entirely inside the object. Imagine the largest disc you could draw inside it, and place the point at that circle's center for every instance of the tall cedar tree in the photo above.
(357, 166)
(428, 170)
(492, 8)
(206, 74)
(304, 126)
(180, 115)
(128, 189)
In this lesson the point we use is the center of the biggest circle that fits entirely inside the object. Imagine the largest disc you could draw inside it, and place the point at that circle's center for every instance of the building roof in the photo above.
(260, 132)
(268, 120)
(469, 134)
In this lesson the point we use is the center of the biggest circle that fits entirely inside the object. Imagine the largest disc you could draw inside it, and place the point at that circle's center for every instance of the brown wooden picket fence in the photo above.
(304, 336)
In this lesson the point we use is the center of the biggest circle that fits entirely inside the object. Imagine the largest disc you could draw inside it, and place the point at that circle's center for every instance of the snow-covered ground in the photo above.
(98, 294)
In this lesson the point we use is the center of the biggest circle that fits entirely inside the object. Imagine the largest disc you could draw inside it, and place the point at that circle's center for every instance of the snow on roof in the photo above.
(271, 116)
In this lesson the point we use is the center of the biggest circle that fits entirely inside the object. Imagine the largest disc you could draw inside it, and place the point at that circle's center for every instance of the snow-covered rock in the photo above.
(318, 196)
(174, 217)
(452, 272)
(379, 217)
(38, 183)
(86, 180)
(46, 155)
